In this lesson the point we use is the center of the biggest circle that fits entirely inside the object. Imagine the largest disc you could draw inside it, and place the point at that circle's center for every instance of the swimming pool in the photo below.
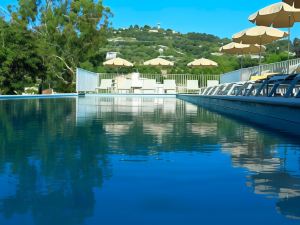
(141, 160)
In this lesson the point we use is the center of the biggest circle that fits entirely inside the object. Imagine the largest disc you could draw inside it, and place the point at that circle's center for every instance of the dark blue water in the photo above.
(143, 161)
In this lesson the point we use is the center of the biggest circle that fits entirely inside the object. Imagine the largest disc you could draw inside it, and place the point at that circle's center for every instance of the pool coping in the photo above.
(133, 95)
(16, 97)
(283, 102)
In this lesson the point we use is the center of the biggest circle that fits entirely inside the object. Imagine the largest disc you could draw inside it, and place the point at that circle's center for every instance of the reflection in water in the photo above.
(60, 162)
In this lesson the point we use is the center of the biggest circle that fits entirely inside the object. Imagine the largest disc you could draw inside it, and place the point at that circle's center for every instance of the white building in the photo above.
(111, 55)
(153, 31)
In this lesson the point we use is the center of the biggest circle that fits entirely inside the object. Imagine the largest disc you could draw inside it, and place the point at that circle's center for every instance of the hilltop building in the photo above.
(111, 55)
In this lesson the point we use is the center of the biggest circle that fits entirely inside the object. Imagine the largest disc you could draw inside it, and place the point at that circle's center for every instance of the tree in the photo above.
(20, 65)
(47, 40)
(71, 33)
(297, 47)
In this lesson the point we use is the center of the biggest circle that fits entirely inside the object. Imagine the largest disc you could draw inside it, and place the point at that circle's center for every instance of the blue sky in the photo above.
(218, 17)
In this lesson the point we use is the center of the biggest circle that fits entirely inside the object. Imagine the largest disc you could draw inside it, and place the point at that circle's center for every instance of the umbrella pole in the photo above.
(259, 69)
(289, 46)
(242, 60)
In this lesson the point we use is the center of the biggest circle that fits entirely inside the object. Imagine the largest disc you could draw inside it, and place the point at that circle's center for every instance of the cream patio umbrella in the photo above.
(279, 15)
(205, 63)
(295, 3)
(259, 35)
(234, 48)
(158, 62)
(238, 48)
(118, 62)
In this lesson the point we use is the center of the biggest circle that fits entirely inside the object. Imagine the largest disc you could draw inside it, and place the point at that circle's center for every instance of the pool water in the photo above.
(141, 160)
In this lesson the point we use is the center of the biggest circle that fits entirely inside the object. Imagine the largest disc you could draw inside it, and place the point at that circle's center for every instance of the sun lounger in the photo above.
(192, 86)
(149, 87)
(211, 83)
(124, 86)
(136, 83)
(105, 85)
(170, 86)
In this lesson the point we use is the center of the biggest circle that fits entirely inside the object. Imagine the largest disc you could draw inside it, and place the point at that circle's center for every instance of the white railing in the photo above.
(180, 79)
(87, 81)
(246, 73)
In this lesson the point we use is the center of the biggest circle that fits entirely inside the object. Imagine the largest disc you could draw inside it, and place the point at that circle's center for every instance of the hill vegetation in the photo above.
(138, 44)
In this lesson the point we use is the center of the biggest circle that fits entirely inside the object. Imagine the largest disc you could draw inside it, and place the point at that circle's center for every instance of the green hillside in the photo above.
(138, 44)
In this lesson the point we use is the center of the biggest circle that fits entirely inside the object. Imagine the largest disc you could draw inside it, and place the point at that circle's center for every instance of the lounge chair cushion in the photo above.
(192, 85)
(169, 85)
(149, 85)
(105, 84)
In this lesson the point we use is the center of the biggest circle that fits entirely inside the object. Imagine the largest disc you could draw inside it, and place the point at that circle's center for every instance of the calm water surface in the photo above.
(141, 161)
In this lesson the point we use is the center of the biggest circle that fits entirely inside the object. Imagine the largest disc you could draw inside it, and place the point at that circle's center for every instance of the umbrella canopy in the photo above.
(280, 15)
(237, 48)
(158, 62)
(295, 3)
(118, 62)
(241, 49)
(203, 63)
(259, 35)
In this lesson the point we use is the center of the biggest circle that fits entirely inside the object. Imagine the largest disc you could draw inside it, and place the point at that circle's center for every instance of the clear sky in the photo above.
(218, 17)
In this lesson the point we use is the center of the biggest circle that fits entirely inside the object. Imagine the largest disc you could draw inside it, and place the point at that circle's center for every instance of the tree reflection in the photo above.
(56, 166)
